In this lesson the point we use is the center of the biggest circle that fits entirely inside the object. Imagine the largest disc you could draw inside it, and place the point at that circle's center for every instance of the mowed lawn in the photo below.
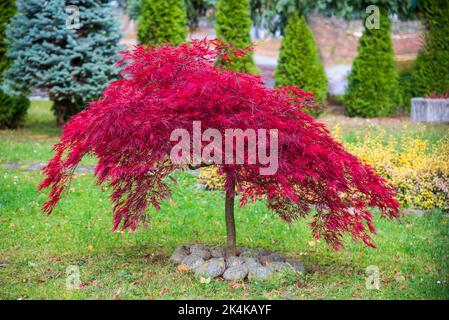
(36, 250)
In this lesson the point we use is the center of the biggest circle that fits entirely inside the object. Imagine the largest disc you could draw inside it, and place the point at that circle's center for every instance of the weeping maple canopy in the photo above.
(166, 88)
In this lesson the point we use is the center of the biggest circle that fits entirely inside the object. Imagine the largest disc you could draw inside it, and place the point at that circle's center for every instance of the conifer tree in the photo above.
(431, 75)
(162, 22)
(373, 86)
(233, 25)
(50, 48)
(12, 108)
(299, 61)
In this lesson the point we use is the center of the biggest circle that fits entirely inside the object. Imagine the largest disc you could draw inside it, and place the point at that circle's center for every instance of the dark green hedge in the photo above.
(431, 73)
(299, 61)
(162, 22)
(233, 25)
(373, 85)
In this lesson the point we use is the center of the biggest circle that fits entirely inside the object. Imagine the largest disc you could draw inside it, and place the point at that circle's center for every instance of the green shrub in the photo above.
(162, 22)
(431, 74)
(12, 108)
(373, 84)
(405, 71)
(233, 24)
(299, 61)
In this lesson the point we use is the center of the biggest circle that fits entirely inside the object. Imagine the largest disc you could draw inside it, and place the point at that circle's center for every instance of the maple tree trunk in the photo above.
(230, 222)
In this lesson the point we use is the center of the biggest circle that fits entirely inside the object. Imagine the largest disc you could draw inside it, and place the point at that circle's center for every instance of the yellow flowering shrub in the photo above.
(419, 170)
(210, 178)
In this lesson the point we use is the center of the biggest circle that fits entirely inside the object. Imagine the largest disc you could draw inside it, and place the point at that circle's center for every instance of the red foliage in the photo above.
(165, 88)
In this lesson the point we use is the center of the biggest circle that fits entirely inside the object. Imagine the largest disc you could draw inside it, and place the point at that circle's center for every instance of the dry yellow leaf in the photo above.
(183, 268)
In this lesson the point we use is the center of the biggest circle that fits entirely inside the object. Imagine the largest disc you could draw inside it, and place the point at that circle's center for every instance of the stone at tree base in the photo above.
(296, 265)
(234, 261)
(259, 272)
(212, 268)
(200, 251)
(250, 262)
(197, 246)
(192, 261)
(279, 266)
(179, 254)
(248, 253)
(217, 252)
(274, 257)
(236, 273)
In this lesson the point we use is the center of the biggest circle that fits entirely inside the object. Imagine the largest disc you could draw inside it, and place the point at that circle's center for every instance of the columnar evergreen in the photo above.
(233, 25)
(299, 60)
(162, 22)
(431, 75)
(50, 50)
(12, 108)
(373, 88)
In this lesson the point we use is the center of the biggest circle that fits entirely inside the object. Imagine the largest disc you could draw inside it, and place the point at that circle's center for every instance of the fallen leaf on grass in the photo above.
(182, 268)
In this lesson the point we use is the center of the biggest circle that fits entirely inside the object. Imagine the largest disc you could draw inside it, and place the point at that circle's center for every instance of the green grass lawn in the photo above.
(36, 250)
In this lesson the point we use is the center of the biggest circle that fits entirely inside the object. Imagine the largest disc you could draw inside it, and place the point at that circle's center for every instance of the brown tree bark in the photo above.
(230, 222)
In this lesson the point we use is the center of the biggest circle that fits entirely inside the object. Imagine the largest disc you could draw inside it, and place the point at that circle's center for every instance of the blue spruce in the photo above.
(71, 58)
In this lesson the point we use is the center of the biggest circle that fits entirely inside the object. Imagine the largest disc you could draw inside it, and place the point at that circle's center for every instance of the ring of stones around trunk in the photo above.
(236, 273)
(212, 268)
(210, 262)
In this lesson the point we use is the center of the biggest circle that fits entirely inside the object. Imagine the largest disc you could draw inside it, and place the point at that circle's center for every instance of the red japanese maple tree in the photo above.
(165, 88)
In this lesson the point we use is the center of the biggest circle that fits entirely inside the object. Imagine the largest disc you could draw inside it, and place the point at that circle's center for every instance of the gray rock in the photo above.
(297, 266)
(197, 246)
(211, 269)
(233, 262)
(217, 252)
(236, 273)
(250, 262)
(263, 252)
(192, 261)
(247, 253)
(259, 272)
(279, 266)
(273, 257)
(200, 250)
(179, 254)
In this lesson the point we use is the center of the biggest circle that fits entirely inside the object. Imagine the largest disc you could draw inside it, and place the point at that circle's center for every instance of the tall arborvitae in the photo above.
(162, 22)
(299, 60)
(373, 88)
(12, 108)
(50, 49)
(431, 75)
(233, 26)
